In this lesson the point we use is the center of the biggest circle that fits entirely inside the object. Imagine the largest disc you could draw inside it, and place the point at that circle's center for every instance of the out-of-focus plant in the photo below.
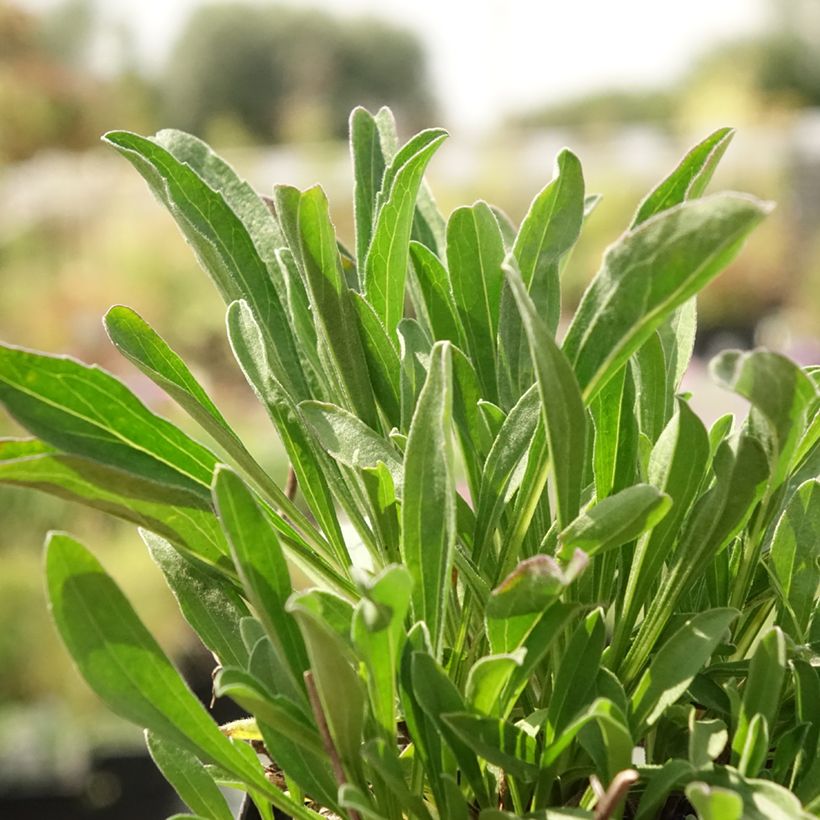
(616, 614)
(278, 73)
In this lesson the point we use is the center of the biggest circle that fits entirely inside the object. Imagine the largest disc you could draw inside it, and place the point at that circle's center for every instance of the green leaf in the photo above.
(434, 282)
(338, 685)
(368, 170)
(532, 586)
(781, 395)
(498, 742)
(714, 803)
(600, 711)
(221, 241)
(385, 267)
(148, 351)
(575, 678)
(184, 518)
(475, 253)
(655, 395)
(415, 348)
(487, 680)
(350, 441)
(562, 408)
(382, 357)
(661, 782)
(501, 474)
(689, 179)
(261, 565)
(615, 520)
(707, 740)
(549, 231)
(125, 666)
(213, 608)
(676, 664)
(761, 696)
(615, 446)
(378, 633)
(189, 777)
(649, 272)
(248, 347)
(438, 697)
(84, 410)
(428, 509)
(331, 303)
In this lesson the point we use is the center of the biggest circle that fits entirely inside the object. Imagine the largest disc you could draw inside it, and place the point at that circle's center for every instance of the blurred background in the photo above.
(628, 86)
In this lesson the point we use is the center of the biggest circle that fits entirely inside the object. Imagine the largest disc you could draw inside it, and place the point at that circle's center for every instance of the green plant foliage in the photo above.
(533, 565)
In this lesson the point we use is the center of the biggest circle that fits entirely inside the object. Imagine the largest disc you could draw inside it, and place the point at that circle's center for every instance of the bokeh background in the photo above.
(628, 85)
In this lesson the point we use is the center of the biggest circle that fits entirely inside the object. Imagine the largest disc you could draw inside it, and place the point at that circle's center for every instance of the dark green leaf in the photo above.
(86, 411)
(183, 517)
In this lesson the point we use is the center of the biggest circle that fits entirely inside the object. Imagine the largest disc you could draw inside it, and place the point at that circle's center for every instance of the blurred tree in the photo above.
(281, 73)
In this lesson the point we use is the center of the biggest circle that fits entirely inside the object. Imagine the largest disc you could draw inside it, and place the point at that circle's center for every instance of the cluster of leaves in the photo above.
(544, 588)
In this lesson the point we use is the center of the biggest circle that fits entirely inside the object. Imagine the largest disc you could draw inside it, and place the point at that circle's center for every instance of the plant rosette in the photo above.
(617, 618)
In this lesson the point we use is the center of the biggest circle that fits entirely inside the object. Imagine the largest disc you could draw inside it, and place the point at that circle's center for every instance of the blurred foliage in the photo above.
(48, 96)
(752, 80)
(276, 73)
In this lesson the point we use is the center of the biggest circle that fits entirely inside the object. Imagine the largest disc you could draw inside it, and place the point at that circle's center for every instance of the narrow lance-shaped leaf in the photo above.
(677, 466)
(563, 411)
(689, 179)
(502, 463)
(378, 632)
(676, 664)
(761, 694)
(261, 565)
(331, 303)
(249, 350)
(350, 441)
(434, 282)
(615, 520)
(649, 272)
(382, 358)
(574, 680)
(475, 252)
(183, 517)
(222, 242)
(794, 554)
(339, 688)
(84, 410)
(385, 266)
(368, 171)
(781, 395)
(428, 509)
(213, 608)
(549, 231)
(189, 777)
(126, 667)
(497, 741)
(146, 349)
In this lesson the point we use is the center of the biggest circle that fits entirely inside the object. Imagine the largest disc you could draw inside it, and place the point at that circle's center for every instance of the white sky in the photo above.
(490, 57)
